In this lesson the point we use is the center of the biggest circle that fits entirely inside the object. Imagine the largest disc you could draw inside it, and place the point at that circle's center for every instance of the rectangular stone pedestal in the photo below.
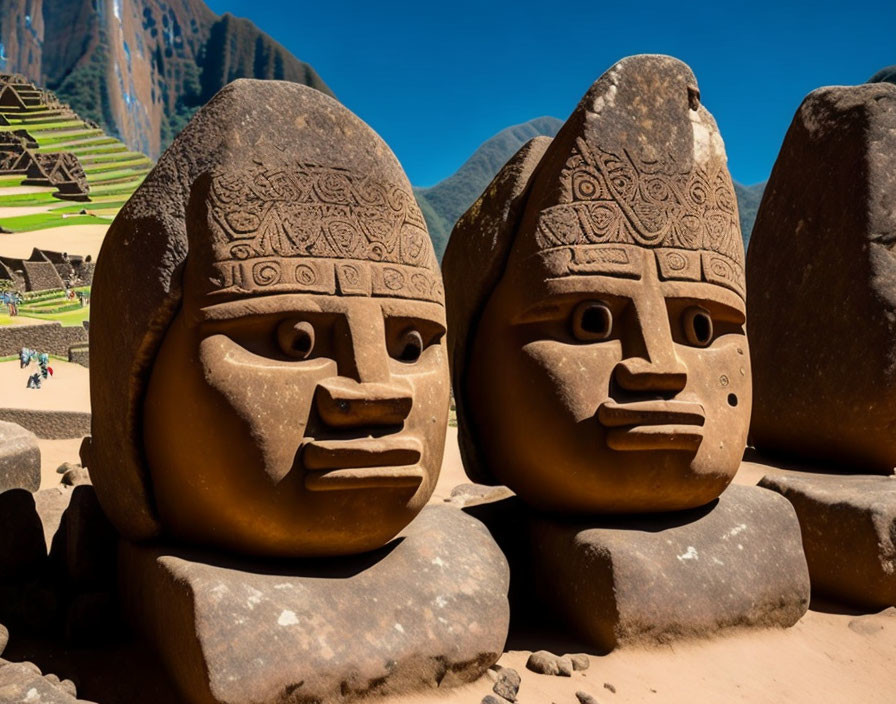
(428, 610)
(735, 563)
(849, 533)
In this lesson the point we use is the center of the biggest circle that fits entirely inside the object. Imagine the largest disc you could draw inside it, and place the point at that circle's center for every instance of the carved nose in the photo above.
(343, 402)
(637, 374)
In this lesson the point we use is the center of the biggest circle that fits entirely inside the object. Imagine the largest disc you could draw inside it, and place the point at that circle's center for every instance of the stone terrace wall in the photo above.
(49, 425)
(52, 338)
(41, 276)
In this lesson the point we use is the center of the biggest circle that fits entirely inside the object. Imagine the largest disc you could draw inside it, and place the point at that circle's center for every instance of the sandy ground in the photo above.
(25, 190)
(13, 212)
(75, 239)
(67, 390)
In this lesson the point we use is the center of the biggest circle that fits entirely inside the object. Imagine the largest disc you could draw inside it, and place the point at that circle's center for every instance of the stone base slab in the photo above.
(736, 563)
(428, 610)
(849, 533)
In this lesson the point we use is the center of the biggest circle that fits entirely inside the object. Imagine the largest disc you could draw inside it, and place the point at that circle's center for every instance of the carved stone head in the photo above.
(600, 359)
(294, 402)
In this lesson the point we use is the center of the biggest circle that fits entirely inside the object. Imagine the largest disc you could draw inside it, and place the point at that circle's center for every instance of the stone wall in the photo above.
(52, 338)
(41, 276)
(79, 354)
(49, 425)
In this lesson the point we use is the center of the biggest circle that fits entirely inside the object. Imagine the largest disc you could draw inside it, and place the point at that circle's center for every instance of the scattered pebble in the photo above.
(66, 466)
(607, 685)
(546, 663)
(76, 476)
(489, 699)
(580, 662)
(585, 698)
(507, 684)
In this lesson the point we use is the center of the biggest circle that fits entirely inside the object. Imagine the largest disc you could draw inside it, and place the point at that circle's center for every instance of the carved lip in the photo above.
(364, 463)
(652, 425)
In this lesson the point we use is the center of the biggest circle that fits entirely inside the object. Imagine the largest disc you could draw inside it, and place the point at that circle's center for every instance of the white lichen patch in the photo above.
(737, 530)
(287, 618)
(689, 554)
(605, 100)
(708, 144)
(438, 562)
(398, 627)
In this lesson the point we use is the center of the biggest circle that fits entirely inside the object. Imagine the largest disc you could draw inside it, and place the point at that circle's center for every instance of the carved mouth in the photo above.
(366, 463)
(652, 425)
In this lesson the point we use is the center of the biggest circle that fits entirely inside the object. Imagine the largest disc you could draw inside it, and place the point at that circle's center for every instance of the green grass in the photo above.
(11, 181)
(23, 200)
(42, 221)
(69, 319)
(94, 205)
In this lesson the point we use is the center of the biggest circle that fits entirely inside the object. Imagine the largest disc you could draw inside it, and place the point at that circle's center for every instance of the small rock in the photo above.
(76, 476)
(564, 665)
(489, 699)
(508, 684)
(607, 685)
(67, 467)
(4, 638)
(464, 495)
(585, 698)
(543, 662)
(580, 662)
(19, 458)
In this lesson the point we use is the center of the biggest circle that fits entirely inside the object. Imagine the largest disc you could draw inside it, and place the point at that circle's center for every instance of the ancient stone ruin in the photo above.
(19, 154)
(824, 373)
(613, 254)
(294, 267)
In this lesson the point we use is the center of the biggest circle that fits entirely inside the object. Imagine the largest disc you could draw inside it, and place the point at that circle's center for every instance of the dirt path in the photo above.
(75, 239)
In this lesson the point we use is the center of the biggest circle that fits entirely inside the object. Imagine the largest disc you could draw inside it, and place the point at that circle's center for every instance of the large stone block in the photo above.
(430, 609)
(848, 524)
(19, 458)
(822, 280)
(735, 563)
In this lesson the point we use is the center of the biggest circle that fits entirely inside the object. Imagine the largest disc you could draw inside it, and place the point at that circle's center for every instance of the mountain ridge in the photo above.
(139, 68)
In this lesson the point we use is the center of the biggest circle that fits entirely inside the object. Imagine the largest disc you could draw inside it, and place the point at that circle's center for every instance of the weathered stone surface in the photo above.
(76, 476)
(735, 563)
(848, 524)
(546, 663)
(4, 638)
(629, 208)
(467, 495)
(507, 684)
(282, 217)
(822, 281)
(580, 662)
(585, 698)
(19, 458)
(429, 608)
(23, 682)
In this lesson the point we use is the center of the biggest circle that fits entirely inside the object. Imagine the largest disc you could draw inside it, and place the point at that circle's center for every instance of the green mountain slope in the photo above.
(445, 202)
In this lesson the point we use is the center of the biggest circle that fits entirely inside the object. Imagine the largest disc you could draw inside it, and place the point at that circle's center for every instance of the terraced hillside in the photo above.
(112, 170)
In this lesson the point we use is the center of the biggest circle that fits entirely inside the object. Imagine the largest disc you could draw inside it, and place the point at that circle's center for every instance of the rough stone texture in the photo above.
(585, 698)
(430, 609)
(736, 563)
(825, 370)
(51, 338)
(23, 682)
(4, 638)
(848, 526)
(272, 188)
(580, 662)
(76, 476)
(19, 458)
(79, 354)
(41, 276)
(612, 253)
(546, 663)
(507, 684)
(49, 425)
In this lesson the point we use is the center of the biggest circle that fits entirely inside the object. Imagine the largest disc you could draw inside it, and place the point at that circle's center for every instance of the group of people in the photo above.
(44, 370)
(12, 300)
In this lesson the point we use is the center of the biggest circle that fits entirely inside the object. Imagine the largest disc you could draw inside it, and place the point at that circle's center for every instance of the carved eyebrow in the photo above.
(712, 294)
(552, 306)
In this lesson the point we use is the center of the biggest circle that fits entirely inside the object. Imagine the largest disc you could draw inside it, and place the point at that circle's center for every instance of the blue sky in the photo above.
(438, 79)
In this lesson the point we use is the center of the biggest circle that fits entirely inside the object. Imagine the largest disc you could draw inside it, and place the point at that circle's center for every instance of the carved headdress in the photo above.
(638, 165)
(273, 187)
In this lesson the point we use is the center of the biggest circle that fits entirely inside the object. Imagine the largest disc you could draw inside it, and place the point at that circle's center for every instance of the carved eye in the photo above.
(592, 321)
(697, 324)
(296, 338)
(409, 347)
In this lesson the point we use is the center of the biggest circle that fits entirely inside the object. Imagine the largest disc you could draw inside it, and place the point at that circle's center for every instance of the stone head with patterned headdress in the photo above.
(269, 317)
(595, 299)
